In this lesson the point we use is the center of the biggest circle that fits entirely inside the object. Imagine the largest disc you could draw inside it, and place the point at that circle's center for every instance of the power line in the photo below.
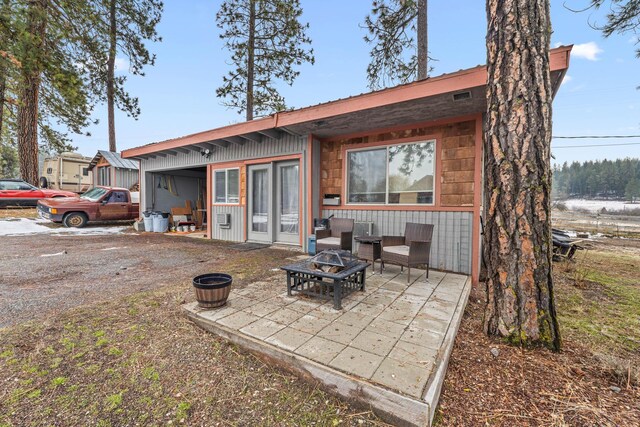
(596, 145)
(596, 137)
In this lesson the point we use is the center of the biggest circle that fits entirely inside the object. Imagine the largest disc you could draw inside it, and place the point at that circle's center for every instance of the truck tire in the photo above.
(75, 219)
(44, 183)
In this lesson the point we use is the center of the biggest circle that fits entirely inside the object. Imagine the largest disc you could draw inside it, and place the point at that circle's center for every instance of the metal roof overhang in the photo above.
(419, 102)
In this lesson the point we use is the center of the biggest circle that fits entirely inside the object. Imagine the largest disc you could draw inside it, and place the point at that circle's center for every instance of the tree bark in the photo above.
(111, 70)
(27, 120)
(517, 241)
(3, 89)
(3, 68)
(251, 58)
(423, 53)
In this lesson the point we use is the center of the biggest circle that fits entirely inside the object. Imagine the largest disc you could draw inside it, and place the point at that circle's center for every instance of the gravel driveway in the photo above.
(42, 275)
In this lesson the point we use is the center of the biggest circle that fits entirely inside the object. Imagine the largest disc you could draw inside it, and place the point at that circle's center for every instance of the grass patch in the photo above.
(599, 301)
(137, 360)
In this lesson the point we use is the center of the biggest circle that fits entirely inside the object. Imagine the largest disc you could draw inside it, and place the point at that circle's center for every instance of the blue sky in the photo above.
(177, 95)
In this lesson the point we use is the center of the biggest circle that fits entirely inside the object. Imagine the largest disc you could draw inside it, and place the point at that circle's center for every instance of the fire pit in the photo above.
(329, 275)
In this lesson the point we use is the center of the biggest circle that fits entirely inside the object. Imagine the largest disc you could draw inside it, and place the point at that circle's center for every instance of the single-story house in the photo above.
(411, 153)
(111, 170)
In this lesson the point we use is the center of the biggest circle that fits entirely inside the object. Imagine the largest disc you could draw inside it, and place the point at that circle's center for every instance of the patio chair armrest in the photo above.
(346, 237)
(392, 240)
(322, 234)
(419, 251)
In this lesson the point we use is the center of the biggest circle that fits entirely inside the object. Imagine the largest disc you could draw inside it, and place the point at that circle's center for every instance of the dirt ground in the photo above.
(594, 381)
(46, 275)
(95, 336)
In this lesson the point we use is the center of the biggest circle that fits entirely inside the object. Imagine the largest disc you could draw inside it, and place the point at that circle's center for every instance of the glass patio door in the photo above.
(287, 221)
(273, 209)
(259, 206)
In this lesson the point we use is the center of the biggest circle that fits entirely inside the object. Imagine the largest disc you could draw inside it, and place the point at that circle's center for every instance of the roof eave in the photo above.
(458, 81)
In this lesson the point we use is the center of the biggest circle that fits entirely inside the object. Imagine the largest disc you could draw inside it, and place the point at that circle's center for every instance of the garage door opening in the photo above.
(180, 192)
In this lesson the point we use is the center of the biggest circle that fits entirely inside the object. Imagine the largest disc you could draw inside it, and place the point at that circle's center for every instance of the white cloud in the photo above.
(634, 39)
(557, 44)
(589, 50)
(122, 65)
(566, 79)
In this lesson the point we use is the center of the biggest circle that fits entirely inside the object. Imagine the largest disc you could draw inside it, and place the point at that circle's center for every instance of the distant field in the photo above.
(597, 205)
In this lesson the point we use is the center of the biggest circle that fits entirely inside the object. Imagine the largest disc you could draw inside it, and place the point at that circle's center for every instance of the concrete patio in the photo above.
(387, 348)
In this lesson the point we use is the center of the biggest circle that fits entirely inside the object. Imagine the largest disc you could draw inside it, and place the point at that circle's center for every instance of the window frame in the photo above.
(226, 185)
(386, 148)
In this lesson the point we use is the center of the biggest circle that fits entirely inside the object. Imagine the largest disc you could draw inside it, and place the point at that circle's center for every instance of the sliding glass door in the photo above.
(259, 209)
(288, 202)
(273, 208)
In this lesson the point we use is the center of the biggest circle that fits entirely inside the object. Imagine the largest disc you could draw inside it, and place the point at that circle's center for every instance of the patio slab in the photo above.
(388, 348)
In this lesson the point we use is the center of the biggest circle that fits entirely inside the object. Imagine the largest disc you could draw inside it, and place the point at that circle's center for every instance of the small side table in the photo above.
(370, 249)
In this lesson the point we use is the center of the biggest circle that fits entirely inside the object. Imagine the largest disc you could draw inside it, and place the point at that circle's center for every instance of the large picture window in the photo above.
(226, 184)
(395, 174)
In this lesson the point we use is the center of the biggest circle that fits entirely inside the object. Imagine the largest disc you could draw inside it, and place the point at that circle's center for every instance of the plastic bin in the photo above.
(160, 223)
(147, 217)
(312, 244)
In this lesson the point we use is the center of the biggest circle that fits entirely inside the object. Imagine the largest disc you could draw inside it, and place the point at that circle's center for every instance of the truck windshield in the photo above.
(94, 194)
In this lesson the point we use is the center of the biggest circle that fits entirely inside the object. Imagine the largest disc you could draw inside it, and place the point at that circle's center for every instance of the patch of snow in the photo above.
(27, 226)
(597, 205)
(56, 254)
(114, 248)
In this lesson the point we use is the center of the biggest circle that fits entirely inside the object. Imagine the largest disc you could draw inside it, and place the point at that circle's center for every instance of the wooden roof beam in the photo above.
(290, 132)
(270, 133)
(220, 143)
(235, 140)
(205, 146)
(253, 137)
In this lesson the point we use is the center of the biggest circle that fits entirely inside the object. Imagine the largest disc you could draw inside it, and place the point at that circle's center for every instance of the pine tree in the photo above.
(396, 57)
(112, 28)
(632, 190)
(50, 90)
(623, 16)
(517, 239)
(266, 40)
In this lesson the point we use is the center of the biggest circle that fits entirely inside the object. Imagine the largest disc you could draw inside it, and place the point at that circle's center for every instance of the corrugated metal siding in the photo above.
(126, 178)
(288, 144)
(451, 245)
(233, 234)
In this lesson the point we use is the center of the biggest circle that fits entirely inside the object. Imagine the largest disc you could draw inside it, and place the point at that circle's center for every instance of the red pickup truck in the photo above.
(97, 204)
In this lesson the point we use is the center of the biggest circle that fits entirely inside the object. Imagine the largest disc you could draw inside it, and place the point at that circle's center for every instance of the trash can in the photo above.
(147, 217)
(160, 222)
(312, 244)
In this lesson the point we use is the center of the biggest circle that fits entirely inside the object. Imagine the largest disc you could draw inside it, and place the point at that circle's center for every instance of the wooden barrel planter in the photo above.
(212, 289)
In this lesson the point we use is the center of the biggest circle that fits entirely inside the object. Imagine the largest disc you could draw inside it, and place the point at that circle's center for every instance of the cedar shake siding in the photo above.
(455, 161)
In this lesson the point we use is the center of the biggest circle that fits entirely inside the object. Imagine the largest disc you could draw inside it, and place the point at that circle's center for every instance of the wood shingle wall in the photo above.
(455, 170)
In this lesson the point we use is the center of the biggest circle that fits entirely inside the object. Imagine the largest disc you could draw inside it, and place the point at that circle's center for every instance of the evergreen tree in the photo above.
(600, 178)
(623, 16)
(51, 92)
(396, 57)
(112, 28)
(266, 40)
(632, 190)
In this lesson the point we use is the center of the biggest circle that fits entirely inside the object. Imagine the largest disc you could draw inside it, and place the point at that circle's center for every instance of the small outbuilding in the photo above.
(111, 170)
(411, 153)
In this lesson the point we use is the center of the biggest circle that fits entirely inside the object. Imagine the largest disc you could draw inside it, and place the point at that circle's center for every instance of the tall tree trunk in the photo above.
(27, 120)
(3, 90)
(423, 53)
(111, 70)
(3, 67)
(251, 58)
(517, 240)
